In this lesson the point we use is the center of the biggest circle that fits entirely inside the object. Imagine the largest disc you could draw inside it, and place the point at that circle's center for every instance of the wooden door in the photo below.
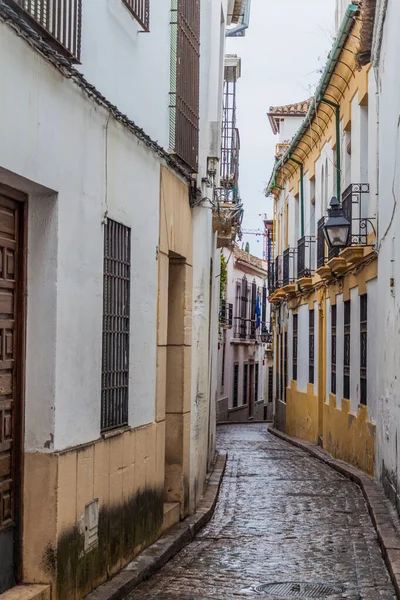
(10, 388)
(251, 391)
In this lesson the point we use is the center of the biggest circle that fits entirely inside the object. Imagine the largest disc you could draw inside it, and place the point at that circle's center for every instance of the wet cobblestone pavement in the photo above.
(282, 516)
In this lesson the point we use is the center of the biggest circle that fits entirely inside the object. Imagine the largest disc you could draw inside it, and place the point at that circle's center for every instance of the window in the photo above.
(223, 369)
(333, 348)
(57, 21)
(235, 386)
(363, 348)
(141, 11)
(185, 69)
(256, 376)
(285, 367)
(270, 384)
(295, 332)
(346, 355)
(116, 308)
(245, 383)
(311, 316)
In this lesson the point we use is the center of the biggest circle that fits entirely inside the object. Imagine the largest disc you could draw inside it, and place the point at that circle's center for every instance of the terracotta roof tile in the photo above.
(299, 109)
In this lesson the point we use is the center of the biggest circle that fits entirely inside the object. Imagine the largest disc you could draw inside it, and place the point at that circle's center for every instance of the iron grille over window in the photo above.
(226, 314)
(253, 310)
(235, 386)
(223, 369)
(256, 376)
(58, 21)
(116, 308)
(321, 243)
(245, 382)
(346, 356)
(363, 348)
(305, 256)
(270, 384)
(295, 333)
(285, 367)
(311, 350)
(185, 69)
(333, 348)
(264, 310)
(141, 11)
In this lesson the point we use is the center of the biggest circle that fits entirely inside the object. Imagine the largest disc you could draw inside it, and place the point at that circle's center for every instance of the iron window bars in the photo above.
(185, 73)
(305, 256)
(116, 316)
(235, 385)
(295, 346)
(311, 346)
(226, 314)
(270, 384)
(245, 327)
(346, 353)
(245, 383)
(333, 347)
(285, 366)
(256, 380)
(320, 243)
(57, 21)
(363, 348)
(140, 9)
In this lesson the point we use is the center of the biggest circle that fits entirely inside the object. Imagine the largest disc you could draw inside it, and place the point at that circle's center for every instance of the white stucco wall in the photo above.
(303, 348)
(67, 230)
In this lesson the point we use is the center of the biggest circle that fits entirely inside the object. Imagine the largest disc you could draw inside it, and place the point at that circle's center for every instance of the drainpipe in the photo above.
(279, 187)
(338, 166)
(301, 192)
(239, 31)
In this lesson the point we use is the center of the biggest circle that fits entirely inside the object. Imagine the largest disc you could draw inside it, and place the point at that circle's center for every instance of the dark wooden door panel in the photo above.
(10, 255)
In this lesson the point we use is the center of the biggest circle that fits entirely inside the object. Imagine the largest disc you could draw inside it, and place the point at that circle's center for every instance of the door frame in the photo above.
(19, 408)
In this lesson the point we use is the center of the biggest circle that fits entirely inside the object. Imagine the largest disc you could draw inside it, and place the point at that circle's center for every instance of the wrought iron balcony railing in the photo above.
(226, 314)
(141, 11)
(278, 272)
(57, 21)
(320, 243)
(306, 256)
(355, 201)
(289, 266)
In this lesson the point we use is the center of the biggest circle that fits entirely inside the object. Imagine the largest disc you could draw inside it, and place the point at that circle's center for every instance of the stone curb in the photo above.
(175, 539)
(384, 519)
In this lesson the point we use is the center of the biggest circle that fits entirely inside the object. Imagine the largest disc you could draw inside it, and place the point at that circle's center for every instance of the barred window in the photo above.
(346, 351)
(58, 21)
(295, 346)
(333, 348)
(311, 350)
(185, 74)
(256, 380)
(235, 386)
(140, 9)
(245, 383)
(363, 348)
(116, 309)
(270, 384)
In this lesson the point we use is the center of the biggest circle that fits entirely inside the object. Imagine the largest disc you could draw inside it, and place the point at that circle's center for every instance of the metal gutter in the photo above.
(334, 56)
(240, 30)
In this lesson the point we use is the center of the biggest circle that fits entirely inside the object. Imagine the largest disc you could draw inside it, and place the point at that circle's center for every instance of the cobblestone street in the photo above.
(282, 516)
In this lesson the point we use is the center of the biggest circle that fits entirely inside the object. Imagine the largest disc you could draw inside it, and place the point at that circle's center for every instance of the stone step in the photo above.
(27, 592)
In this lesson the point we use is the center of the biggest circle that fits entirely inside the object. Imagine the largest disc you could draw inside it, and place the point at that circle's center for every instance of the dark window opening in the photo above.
(295, 346)
(333, 348)
(363, 348)
(346, 354)
(235, 386)
(311, 349)
(116, 309)
(270, 384)
(245, 382)
(256, 376)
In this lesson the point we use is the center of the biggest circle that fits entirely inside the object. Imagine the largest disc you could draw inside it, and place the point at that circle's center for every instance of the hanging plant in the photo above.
(223, 278)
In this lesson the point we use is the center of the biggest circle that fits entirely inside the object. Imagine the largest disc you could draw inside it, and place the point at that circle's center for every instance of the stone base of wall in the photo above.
(280, 416)
(302, 413)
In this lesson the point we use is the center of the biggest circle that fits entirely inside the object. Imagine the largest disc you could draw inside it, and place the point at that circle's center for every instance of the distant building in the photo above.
(244, 382)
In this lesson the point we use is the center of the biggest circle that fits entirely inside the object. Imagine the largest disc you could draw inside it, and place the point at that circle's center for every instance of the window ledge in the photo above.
(115, 432)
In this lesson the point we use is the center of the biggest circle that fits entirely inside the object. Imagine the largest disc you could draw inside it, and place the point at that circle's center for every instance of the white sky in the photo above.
(282, 54)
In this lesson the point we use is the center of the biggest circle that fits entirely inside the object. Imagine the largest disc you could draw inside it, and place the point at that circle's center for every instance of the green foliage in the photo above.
(223, 277)
(247, 248)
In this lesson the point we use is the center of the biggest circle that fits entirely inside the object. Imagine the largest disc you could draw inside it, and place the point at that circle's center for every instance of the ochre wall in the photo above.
(302, 413)
(349, 437)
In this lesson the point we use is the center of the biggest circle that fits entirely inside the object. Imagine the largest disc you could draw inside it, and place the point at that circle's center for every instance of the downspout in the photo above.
(301, 193)
(338, 160)
(279, 187)
(239, 31)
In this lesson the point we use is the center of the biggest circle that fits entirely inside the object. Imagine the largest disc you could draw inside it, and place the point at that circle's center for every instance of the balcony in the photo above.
(56, 21)
(289, 271)
(305, 261)
(226, 315)
(355, 204)
(227, 215)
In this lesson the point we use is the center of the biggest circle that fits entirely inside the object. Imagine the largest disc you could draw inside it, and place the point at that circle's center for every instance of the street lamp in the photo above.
(337, 227)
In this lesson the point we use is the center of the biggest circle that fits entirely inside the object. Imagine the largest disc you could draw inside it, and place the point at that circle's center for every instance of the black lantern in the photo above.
(337, 227)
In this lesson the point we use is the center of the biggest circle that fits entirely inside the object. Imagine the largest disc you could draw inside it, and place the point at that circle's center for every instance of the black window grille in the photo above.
(333, 348)
(295, 346)
(321, 243)
(311, 351)
(281, 367)
(256, 376)
(235, 386)
(140, 9)
(116, 309)
(270, 384)
(223, 368)
(264, 309)
(245, 382)
(253, 309)
(363, 348)
(346, 353)
(185, 75)
(285, 366)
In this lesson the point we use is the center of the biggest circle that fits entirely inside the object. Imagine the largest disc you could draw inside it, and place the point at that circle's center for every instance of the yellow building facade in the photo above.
(324, 298)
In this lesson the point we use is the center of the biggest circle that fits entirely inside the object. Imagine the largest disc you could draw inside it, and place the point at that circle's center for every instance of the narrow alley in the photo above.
(282, 517)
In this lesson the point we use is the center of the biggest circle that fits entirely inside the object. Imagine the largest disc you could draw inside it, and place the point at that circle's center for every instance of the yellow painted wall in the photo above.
(302, 413)
(349, 437)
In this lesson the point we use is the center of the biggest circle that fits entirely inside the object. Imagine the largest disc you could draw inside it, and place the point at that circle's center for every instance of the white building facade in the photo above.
(110, 285)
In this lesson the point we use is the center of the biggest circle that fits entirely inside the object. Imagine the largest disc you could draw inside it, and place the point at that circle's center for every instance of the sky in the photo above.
(283, 54)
